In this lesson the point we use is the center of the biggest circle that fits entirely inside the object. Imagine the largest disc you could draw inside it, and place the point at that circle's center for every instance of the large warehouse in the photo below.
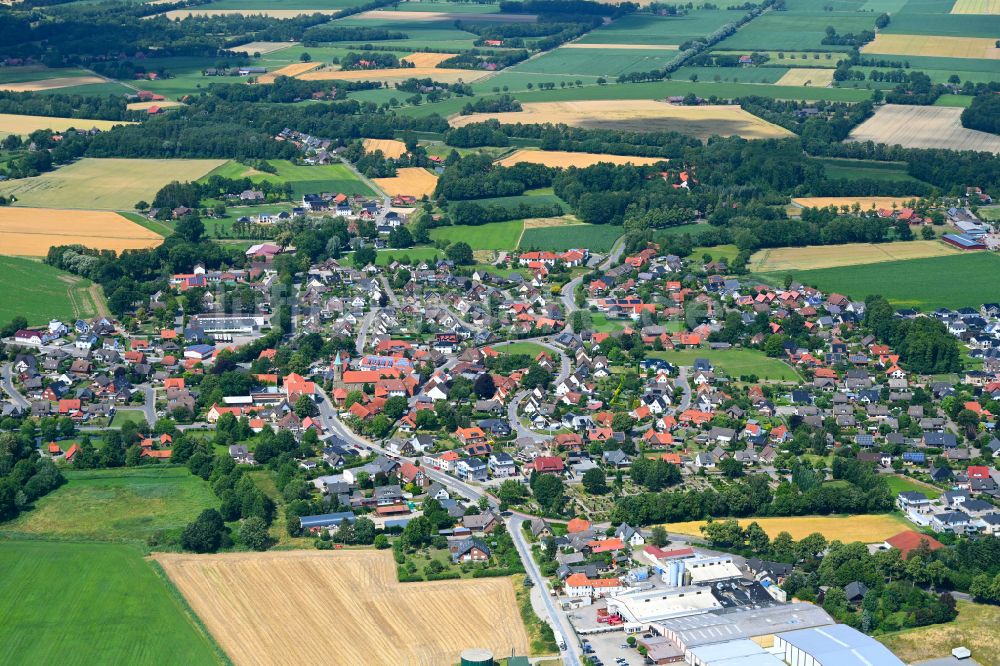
(835, 645)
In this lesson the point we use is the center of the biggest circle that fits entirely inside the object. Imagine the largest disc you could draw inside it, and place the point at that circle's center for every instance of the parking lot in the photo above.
(608, 647)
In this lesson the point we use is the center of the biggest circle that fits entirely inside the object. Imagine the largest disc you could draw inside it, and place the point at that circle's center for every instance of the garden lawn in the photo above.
(492, 236)
(951, 282)
(601, 324)
(40, 292)
(123, 416)
(73, 603)
(529, 348)
(734, 362)
(122, 505)
(594, 237)
(902, 484)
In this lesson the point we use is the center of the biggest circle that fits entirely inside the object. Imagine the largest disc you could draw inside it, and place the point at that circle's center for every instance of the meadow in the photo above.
(30, 232)
(661, 30)
(595, 237)
(492, 236)
(75, 603)
(571, 63)
(734, 362)
(304, 178)
(867, 529)
(120, 505)
(835, 167)
(123, 416)
(831, 256)
(39, 293)
(104, 183)
(901, 484)
(925, 284)
(913, 645)
(795, 30)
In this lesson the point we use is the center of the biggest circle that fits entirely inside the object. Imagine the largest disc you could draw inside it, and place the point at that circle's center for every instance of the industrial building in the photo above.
(652, 605)
(741, 652)
(835, 645)
(234, 325)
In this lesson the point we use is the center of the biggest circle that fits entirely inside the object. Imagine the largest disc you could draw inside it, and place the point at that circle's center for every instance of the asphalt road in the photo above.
(7, 384)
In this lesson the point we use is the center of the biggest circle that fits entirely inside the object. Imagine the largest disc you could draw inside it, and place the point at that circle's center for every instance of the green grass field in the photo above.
(945, 25)
(601, 324)
(120, 505)
(305, 179)
(963, 101)
(991, 213)
(40, 292)
(953, 281)
(529, 348)
(569, 64)
(733, 74)
(414, 254)
(595, 237)
(39, 73)
(493, 236)
(672, 30)
(123, 416)
(734, 362)
(74, 603)
(865, 169)
(901, 484)
(796, 31)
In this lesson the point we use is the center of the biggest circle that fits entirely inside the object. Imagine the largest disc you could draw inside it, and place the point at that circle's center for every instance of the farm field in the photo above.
(355, 590)
(595, 237)
(640, 115)
(803, 76)
(104, 183)
(143, 106)
(393, 74)
(867, 529)
(51, 84)
(938, 640)
(389, 147)
(865, 169)
(492, 236)
(30, 232)
(39, 293)
(923, 127)
(93, 603)
(304, 178)
(734, 362)
(741, 75)
(930, 21)
(288, 70)
(830, 256)
(28, 73)
(976, 7)
(563, 159)
(946, 47)
(951, 282)
(413, 181)
(660, 30)
(261, 47)
(585, 62)
(796, 30)
(11, 123)
(417, 12)
(122, 505)
(866, 203)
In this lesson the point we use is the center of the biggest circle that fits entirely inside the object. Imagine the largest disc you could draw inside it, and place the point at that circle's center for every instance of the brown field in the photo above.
(289, 607)
(427, 59)
(142, 106)
(30, 232)
(923, 127)
(273, 13)
(389, 147)
(11, 123)
(288, 70)
(867, 529)
(413, 181)
(866, 203)
(639, 115)
(261, 47)
(635, 47)
(395, 74)
(544, 222)
(976, 7)
(50, 84)
(804, 76)
(851, 254)
(563, 159)
(915, 645)
(409, 17)
(942, 47)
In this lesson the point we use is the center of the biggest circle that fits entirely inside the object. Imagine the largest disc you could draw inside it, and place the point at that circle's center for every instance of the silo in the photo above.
(675, 573)
(477, 657)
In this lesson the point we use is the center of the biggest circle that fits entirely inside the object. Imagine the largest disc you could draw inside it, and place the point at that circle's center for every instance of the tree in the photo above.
(305, 57)
(395, 407)
(731, 467)
(253, 533)
(381, 542)
(510, 492)
(400, 237)
(305, 406)
(190, 228)
(548, 490)
(460, 253)
(595, 481)
(658, 536)
(364, 531)
(537, 376)
(204, 534)
(364, 256)
(484, 386)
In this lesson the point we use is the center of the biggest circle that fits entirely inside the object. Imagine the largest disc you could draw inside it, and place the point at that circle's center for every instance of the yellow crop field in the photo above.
(851, 254)
(30, 232)
(563, 159)
(288, 70)
(867, 529)
(632, 47)
(12, 123)
(923, 127)
(976, 7)
(935, 46)
(417, 16)
(427, 59)
(104, 183)
(261, 47)
(272, 13)
(866, 203)
(638, 116)
(389, 147)
(289, 607)
(50, 84)
(142, 106)
(394, 74)
(545, 222)
(806, 76)
(412, 181)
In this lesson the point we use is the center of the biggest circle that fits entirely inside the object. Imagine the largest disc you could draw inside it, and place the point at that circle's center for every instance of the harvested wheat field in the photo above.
(394, 74)
(288, 70)
(50, 84)
(272, 13)
(976, 7)
(389, 147)
(867, 529)
(427, 59)
(638, 116)
(631, 47)
(288, 607)
(851, 254)
(411, 17)
(104, 183)
(866, 203)
(804, 76)
(261, 47)
(411, 181)
(923, 127)
(546, 222)
(30, 232)
(11, 123)
(563, 159)
(925, 45)
(142, 106)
